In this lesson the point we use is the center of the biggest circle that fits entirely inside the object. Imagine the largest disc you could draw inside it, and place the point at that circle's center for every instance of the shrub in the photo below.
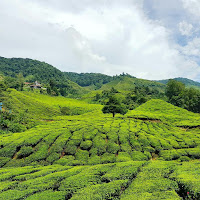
(112, 147)
(108, 158)
(86, 144)
(70, 149)
(25, 151)
(184, 158)
(138, 156)
(65, 111)
(169, 154)
(123, 157)
(66, 160)
(94, 160)
(82, 155)
(53, 195)
(53, 157)
(194, 153)
(3, 161)
(16, 127)
(126, 147)
(135, 144)
(93, 151)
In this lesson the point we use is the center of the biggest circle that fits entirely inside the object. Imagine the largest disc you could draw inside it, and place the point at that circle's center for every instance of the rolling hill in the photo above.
(186, 81)
(166, 112)
(34, 70)
(126, 83)
(90, 155)
(88, 79)
(31, 69)
(69, 149)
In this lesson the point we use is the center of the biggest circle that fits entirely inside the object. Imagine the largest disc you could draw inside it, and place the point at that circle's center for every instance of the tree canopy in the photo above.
(114, 106)
(179, 95)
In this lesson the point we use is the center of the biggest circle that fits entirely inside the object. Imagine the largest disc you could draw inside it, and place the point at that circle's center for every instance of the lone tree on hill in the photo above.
(114, 106)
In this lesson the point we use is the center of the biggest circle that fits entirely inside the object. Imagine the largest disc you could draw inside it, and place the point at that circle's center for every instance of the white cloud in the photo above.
(87, 36)
(192, 48)
(185, 28)
(193, 6)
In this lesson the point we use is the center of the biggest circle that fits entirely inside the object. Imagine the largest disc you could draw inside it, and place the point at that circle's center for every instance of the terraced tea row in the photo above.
(125, 180)
(59, 182)
(90, 139)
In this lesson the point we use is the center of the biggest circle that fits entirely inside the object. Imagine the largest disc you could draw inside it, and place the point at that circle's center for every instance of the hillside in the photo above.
(33, 70)
(166, 112)
(130, 90)
(186, 81)
(91, 155)
(40, 107)
(125, 83)
(88, 79)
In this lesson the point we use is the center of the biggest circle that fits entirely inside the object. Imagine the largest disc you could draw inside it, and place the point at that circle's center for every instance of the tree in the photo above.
(20, 81)
(114, 106)
(52, 84)
(63, 92)
(174, 88)
(48, 90)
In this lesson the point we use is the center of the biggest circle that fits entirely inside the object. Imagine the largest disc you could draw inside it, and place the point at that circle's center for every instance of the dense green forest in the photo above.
(187, 82)
(19, 70)
(88, 79)
(179, 95)
(122, 138)
(32, 70)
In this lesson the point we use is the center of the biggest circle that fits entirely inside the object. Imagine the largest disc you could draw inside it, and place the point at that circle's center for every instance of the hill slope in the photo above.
(96, 156)
(186, 81)
(33, 70)
(159, 109)
(39, 107)
(87, 79)
(125, 83)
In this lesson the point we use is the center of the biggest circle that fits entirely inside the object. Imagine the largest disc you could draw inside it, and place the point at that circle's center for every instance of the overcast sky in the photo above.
(152, 39)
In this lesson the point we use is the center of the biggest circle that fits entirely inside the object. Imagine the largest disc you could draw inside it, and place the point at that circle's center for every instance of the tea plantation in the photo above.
(150, 153)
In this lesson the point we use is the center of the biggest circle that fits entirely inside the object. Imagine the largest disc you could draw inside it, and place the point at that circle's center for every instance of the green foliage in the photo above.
(88, 79)
(152, 183)
(89, 155)
(138, 156)
(82, 155)
(187, 82)
(17, 70)
(12, 122)
(13, 66)
(108, 158)
(25, 151)
(48, 195)
(174, 88)
(86, 144)
(132, 91)
(113, 106)
(187, 175)
(183, 97)
(158, 110)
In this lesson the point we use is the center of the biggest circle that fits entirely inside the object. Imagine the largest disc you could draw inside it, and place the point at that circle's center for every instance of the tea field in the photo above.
(152, 152)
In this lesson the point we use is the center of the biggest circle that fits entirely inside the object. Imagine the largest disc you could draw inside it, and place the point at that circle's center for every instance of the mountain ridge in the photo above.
(186, 81)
